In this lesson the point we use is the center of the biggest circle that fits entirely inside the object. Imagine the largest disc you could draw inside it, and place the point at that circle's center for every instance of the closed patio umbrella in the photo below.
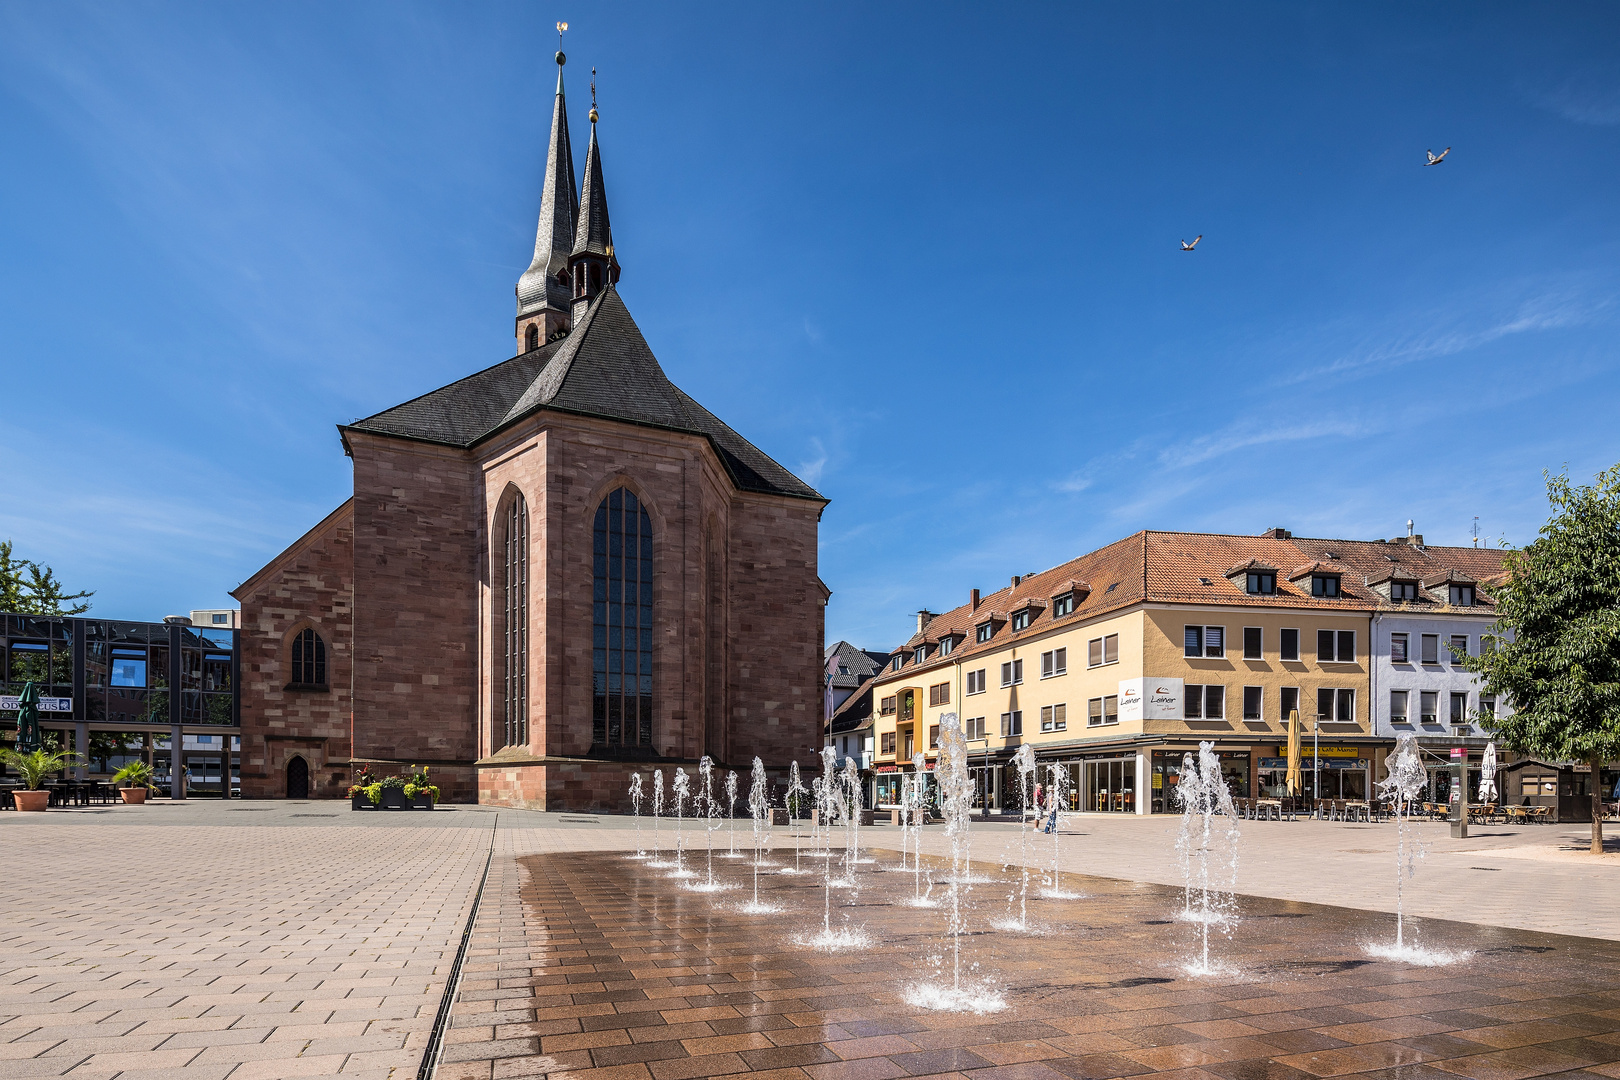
(28, 719)
(1487, 774)
(1294, 753)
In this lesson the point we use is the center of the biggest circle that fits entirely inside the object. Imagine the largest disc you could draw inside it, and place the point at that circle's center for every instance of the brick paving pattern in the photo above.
(598, 968)
(200, 952)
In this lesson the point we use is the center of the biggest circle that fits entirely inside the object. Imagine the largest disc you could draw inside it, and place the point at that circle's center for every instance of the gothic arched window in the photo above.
(532, 339)
(622, 624)
(515, 633)
(308, 659)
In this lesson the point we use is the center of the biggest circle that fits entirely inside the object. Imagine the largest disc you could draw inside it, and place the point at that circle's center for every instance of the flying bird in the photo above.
(1188, 247)
(1433, 160)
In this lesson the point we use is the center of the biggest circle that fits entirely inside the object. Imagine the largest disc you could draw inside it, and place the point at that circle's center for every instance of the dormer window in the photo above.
(1403, 590)
(1325, 585)
(843, 670)
(1020, 619)
(894, 665)
(1260, 583)
(946, 644)
(982, 634)
(1462, 596)
(920, 654)
(1062, 605)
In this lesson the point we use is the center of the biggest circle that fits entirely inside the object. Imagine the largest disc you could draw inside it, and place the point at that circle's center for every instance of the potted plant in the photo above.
(32, 769)
(134, 781)
(360, 793)
(393, 793)
(420, 790)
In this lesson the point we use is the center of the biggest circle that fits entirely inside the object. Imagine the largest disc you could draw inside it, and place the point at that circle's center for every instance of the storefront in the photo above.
(1339, 776)
(1166, 774)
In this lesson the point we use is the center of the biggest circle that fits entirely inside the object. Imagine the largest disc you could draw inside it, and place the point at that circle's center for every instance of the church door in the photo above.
(297, 779)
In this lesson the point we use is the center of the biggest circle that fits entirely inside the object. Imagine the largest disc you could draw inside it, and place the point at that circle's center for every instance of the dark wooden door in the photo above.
(297, 779)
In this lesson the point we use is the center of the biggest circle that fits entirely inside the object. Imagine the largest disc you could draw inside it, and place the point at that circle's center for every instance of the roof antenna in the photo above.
(1476, 530)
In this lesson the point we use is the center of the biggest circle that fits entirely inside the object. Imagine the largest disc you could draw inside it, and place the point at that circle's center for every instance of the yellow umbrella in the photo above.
(1294, 752)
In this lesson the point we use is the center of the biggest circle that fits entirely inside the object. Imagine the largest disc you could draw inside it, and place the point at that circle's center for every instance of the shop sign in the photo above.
(1308, 763)
(887, 768)
(1458, 752)
(1150, 699)
(8, 703)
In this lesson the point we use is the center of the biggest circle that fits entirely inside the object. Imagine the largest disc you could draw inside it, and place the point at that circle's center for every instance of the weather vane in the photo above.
(593, 95)
(561, 59)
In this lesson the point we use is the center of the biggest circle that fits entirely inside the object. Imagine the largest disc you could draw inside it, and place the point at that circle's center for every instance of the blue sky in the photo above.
(926, 255)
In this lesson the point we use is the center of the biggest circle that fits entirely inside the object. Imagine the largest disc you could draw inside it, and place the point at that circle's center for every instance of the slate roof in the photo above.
(862, 664)
(603, 368)
(854, 713)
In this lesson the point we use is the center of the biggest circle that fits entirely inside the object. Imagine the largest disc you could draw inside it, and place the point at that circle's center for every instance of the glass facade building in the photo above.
(120, 691)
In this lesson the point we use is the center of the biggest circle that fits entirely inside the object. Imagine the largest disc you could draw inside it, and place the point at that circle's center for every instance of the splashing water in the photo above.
(852, 818)
(827, 798)
(1405, 784)
(657, 809)
(759, 808)
(1057, 787)
(731, 810)
(711, 813)
(683, 785)
(1025, 760)
(635, 811)
(795, 795)
(1208, 858)
(919, 795)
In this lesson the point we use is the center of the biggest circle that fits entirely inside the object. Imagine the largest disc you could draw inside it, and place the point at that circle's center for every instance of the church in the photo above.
(552, 573)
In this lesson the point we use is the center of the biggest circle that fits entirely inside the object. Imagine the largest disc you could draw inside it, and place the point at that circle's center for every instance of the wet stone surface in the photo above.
(595, 965)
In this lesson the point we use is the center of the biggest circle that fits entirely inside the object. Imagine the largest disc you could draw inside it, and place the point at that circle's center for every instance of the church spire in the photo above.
(544, 291)
(592, 263)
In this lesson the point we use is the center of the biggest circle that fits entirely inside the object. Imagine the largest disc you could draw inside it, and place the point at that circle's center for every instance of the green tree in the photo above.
(27, 588)
(1557, 657)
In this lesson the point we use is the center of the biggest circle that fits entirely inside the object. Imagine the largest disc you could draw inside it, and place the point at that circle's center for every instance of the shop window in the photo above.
(1459, 647)
(1208, 641)
(1459, 709)
(1398, 705)
(1288, 644)
(1290, 701)
(1399, 649)
(1055, 662)
(1054, 717)
(1252, 697)
(1012, 723)
(1253, 643)
(933, 736)
(1012, 673)
(939, 694)
(308, 659)
(1431, 648)
(975, 681)
(1428, 706)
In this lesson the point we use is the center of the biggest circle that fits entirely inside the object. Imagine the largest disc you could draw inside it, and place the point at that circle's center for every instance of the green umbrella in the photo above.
(28, 719)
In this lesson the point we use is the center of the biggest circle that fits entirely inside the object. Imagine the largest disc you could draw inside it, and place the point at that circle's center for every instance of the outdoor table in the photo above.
(1264, 808)
(1353, 809)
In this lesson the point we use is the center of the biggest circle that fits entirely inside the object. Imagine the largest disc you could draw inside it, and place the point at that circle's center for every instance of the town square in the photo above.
(1069, 541)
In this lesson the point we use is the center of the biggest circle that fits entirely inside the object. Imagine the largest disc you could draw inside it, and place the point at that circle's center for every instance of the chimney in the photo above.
(1015, 580)
(1277, 534)
(1409, 525)
(923, 618)
(973, 598)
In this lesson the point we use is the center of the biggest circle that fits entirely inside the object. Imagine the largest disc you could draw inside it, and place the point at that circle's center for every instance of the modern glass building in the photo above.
(122, 691)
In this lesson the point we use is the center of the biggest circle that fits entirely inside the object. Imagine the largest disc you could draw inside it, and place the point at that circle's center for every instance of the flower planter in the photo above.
(360, 802)
(394, 799)
(422, 801)
(134, 796)
(31, 801)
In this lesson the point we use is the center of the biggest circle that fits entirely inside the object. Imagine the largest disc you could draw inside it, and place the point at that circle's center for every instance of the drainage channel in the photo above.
(452, 985)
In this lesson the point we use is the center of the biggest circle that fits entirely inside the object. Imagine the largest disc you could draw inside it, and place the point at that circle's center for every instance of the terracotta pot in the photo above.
(134, 796)
(31, 801)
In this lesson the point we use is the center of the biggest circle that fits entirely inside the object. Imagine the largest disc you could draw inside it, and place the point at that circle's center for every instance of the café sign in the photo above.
(1150, 699)
(9, 703)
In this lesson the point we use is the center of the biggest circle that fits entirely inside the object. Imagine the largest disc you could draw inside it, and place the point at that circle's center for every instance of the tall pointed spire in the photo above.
(544, 292)
(592, 261)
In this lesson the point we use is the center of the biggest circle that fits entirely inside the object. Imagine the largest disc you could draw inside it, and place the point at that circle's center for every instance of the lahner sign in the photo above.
(9, 703)
(1150, 699)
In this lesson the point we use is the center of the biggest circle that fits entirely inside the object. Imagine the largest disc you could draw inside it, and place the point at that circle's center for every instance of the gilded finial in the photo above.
(562, 57)
(593, 95)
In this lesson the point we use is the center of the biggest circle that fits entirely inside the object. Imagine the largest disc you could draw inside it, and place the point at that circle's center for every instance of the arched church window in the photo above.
(515, 634)
(622, 618)
(308, 658)
(532, 339)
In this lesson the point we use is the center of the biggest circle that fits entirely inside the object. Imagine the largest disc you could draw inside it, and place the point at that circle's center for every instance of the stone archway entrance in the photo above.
(297, 779)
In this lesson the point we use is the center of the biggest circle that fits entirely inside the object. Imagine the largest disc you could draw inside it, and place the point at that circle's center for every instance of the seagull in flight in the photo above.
(1188, 247)
(1433, 160)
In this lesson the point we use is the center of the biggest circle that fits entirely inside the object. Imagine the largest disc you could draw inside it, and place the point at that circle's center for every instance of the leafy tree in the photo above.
(27, 588)
(1557, 657)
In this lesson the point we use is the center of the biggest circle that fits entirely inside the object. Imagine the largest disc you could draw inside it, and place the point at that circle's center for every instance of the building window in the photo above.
(1020, 619)
(1337, 647)
(1012, 723)
(622, 599)
(886, 706)
(1288, 645)
(1102, 650)
(1206, 702)
(1325, 585)
(219, 618)
(1054, 717)
(974, 729)
(1253, 642)
(939, 694)
(1400, 649)
(946, 644)
(1290, 702)
(1261, 584)
(894, 665)
(1397, 706)
(920, 654)
(1428, 706)
(1487, 708)
(1459, 709)
(1062, 605)
(1204, 641)
(1055, 662)
(1102, 710)
(1459, 647)
(1336, 706)
(975, 681)
(1252, 697)
(531, 339)
(515, 628)
(910, 747)
(1462, 596)
(908, 705)
(933, 736)
(1431, 648)
(1403, 590)
(1012, 673)
(308, 662)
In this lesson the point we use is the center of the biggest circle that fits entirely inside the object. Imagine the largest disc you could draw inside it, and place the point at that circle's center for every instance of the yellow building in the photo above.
(1118, 663)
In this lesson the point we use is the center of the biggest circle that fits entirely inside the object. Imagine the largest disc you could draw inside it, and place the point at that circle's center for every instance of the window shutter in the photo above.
(1111, 649)
(1326, 649)
(1194, 644)
(1046, 664)
(1192, 702)
(1094, 651)
(1347, 646)
(1060, 662)
(1252, 642)
(1214, 641)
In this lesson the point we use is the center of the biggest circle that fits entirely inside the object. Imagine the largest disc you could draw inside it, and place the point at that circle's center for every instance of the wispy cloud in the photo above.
(1583, 99)
(1441, 336)
(1257, 431)
(810, 471)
